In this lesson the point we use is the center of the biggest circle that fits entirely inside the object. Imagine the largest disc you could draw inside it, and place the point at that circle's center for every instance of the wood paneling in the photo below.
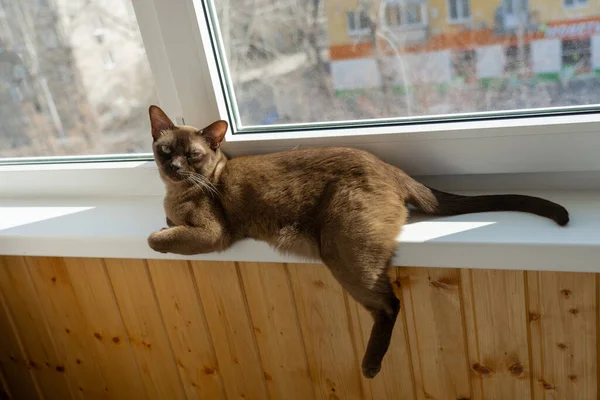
(499, 355)
(396, 377)
(146, 333)
(121, 329)
(562, 318)
(277, 330)
(187, 329)
(14, 365)
(30, 325)
(97, 303)
(222, 296)
(436, 335)
(328, 337)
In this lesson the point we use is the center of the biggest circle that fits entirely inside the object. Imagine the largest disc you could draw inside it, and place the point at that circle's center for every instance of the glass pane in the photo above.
(300, 65)
(364, 20)
(509, 6)
(453, 4)
(74, 79)
(466, 8)
(413, 13)
(351, 23)
(393, 15)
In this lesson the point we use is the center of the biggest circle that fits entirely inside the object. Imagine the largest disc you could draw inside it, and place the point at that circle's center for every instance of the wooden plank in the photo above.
(396, 380)
(14, 364)
(229, 323)
(187, 329)
(24, 306)
(468, 310)
(103, 331)
(359, 320)
(501, 353)
(326, 328)
(562, 320)
(68, 327)
(437, 338)
(277, 330)
(4, 391)
(143, 323)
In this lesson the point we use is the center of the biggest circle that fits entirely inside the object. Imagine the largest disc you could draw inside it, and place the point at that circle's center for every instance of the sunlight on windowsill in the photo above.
(423, 231)
(11, 217)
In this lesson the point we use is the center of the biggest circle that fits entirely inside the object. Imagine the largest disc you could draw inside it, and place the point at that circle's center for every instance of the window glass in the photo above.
(453, 4)
(575, 3)
(74, 79)
(466, 8)
(301, 64)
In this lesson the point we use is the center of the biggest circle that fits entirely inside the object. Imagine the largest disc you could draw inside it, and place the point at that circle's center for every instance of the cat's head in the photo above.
(182, 152)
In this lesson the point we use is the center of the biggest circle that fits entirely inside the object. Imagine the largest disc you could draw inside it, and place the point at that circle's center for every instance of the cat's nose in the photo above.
(176, 165)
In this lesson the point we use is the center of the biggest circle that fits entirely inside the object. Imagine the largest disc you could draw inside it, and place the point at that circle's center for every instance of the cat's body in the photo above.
(339, 205)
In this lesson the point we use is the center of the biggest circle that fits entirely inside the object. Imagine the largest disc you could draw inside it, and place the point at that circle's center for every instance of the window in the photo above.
(501, 94)
(358, 22)
(575, 3)
(403, 15)
(60, 93)
(459, 10)
(403, 74)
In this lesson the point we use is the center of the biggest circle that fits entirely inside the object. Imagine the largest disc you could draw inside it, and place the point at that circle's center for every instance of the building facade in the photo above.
(451, 42)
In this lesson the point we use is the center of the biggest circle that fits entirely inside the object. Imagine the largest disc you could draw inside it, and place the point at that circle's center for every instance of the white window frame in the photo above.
(460, 11)
(577, 4)
(404, 11)
(181, 55)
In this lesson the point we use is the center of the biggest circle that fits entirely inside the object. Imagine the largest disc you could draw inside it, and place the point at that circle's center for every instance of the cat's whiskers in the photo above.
(200, 181)
(207, 183)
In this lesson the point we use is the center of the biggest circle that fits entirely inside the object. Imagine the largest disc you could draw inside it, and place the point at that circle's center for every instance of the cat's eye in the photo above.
(165, 149)
(195, 154)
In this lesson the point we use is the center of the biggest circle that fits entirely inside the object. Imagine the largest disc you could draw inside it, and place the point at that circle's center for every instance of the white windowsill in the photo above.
(119, 227)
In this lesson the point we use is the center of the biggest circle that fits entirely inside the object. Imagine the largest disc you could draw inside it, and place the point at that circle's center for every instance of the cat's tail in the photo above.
(436, 202)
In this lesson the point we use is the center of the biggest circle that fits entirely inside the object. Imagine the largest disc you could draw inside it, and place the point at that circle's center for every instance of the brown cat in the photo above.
(339, 205)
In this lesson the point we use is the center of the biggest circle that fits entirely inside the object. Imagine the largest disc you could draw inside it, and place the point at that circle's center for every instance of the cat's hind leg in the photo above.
(357, 243)
(376, 294)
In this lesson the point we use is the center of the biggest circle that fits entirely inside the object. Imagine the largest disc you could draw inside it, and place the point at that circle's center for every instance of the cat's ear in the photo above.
(159, 121)
(214, 133)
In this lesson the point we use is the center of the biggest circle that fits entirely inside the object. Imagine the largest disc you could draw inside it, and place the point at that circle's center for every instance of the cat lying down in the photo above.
(340, 205)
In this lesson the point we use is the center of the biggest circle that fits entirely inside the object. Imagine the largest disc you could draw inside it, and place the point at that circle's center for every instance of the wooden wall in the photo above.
(134, 329)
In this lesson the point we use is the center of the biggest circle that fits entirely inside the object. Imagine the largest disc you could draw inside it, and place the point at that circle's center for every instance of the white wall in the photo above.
(415, 69)
(546, 56)
(490, 61)
(595, 49)
(408, 69)
(360, 73)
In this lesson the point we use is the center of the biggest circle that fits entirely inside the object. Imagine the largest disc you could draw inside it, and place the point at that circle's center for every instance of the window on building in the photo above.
(575, 3)
(358, 22)
(399, 15)
(459, 10)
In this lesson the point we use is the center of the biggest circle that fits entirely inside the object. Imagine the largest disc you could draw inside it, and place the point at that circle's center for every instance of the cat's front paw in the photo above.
(157, 241)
